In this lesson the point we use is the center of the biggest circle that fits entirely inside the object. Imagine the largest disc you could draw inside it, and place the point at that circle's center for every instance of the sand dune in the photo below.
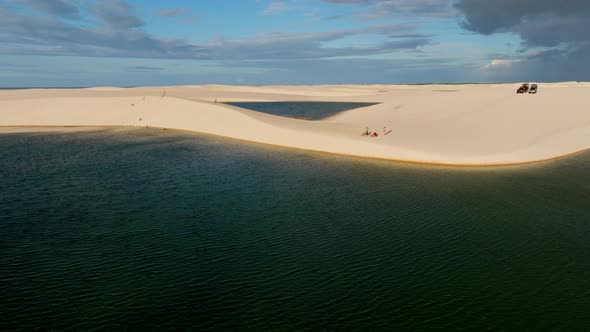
(442, 124)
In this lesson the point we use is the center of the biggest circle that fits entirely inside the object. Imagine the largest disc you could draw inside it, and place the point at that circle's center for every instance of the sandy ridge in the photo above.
(440, 124)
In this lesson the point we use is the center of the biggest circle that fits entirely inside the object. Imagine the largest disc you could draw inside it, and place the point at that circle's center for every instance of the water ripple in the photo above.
(144, 229)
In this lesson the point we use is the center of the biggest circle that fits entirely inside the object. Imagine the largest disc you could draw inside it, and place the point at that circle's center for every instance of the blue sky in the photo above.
(253, 42)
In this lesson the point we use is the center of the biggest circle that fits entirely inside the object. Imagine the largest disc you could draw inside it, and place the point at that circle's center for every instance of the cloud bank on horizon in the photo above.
(112, 42)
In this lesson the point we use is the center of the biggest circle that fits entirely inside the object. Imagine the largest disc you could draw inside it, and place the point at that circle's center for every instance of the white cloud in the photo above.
(501, 63)
(277, 7)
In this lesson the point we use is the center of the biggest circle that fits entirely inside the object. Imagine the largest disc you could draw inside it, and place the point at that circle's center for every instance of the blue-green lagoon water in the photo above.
(312, 110)
(158, 230)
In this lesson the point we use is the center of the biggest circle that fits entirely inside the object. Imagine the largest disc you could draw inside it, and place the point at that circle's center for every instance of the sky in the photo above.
(68, 43)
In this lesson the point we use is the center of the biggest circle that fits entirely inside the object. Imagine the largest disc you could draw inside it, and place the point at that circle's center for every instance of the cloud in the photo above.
(362, 71)
(501, 63)
(415, 7)
(172, 12)
(146, 68)
(487, 17)
(537, 22)
(119, 33)
(312, 45)
(555, 41)
(277, 7)
(550, 65)
(440, 8)
(59, 8)
(116, 14)
(333, 17)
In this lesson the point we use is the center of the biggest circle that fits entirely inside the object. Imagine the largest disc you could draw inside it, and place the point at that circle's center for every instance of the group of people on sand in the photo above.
(369, 133)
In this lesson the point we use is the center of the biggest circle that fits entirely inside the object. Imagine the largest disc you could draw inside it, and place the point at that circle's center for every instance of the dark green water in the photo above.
(151, 230)
(301, 110)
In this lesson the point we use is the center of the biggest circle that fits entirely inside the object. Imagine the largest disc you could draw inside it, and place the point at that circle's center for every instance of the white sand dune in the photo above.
(441, 124)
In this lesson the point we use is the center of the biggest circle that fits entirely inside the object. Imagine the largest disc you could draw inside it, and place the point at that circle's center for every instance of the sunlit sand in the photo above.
(441, 124)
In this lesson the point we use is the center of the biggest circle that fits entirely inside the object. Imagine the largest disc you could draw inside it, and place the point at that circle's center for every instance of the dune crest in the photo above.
(441, 124)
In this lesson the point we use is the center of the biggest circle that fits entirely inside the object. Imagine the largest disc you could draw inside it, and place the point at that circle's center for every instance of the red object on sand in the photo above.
(374, 135)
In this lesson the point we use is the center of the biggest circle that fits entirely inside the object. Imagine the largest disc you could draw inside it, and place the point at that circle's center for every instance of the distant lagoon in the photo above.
(301, 110)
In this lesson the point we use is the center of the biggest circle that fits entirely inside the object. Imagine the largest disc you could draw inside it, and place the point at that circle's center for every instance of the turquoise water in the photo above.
(301, 110)
(158, 230)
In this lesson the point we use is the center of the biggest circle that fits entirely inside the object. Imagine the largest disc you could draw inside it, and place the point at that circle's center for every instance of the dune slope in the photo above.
(446, 124)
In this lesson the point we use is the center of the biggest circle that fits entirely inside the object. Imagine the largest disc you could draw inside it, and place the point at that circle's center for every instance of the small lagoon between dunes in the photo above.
(146, 229)
(307, 110)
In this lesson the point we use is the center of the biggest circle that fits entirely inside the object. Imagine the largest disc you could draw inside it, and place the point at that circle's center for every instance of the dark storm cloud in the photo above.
(491, 16)
(538, 22)
(554, 34)
(546, 65)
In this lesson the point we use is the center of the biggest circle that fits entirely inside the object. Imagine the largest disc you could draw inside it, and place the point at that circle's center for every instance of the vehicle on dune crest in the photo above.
(523, 88)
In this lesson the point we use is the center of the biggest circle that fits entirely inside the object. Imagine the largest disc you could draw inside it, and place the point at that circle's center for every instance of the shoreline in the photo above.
(475, 126)
(82, 129)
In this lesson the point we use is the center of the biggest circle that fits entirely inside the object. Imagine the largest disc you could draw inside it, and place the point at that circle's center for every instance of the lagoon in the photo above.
(146, 229)
(301, 110)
